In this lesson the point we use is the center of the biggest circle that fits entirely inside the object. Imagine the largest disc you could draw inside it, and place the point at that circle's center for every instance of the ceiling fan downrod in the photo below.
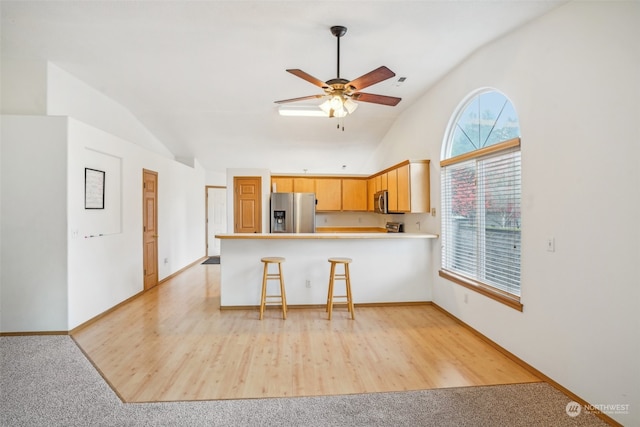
(338, 31)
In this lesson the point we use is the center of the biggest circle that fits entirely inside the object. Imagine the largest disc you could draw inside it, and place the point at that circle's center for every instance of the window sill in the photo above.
(495, 294)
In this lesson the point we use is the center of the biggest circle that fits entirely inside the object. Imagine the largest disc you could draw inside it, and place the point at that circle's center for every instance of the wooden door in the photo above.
(247, 204)
(150, 227)
(216, 218)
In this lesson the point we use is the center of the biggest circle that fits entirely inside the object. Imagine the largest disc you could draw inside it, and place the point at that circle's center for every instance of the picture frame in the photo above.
(94, 188)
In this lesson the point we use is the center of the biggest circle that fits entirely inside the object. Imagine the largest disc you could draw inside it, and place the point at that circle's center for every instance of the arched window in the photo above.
(480, 170)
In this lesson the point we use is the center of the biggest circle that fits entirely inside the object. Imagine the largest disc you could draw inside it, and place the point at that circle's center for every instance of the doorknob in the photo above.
(155, 235)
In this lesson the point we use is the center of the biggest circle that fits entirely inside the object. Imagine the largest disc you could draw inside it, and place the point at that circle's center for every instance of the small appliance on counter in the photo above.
(395, 227)
(293, 212)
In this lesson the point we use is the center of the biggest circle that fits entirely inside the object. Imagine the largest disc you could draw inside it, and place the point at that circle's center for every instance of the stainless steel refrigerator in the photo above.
(293, 212)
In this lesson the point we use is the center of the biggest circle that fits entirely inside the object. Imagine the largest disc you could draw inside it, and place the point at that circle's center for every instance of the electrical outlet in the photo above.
(307, 283)
(551, 244)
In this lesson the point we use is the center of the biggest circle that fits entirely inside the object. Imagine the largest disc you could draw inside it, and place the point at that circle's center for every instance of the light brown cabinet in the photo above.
(412, 187)
(406, 182)
(283, 184)
(404, 188)
(392, 189)
(371, 191)
(354, 194)
(304, 185)
(328, 194)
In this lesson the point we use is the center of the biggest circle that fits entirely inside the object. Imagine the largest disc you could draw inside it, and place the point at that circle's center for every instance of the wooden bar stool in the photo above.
(273, 299)
(333, 276)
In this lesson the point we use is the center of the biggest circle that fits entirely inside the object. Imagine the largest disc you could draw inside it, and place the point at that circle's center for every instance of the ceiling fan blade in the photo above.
(302, 98)
(308, 77)
(371, 78)
(376, 99)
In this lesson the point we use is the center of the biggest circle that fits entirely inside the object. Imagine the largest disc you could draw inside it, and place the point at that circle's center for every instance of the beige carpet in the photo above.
(46, 380)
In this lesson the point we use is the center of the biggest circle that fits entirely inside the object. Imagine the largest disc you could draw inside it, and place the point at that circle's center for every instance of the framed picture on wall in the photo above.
(93, 189)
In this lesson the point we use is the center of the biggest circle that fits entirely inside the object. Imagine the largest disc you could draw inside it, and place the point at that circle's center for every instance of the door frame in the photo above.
(259, 205)
(206, 215)
(145, 285)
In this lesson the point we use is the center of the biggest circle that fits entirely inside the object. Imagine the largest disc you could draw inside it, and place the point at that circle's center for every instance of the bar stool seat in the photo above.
(266, 276)
(333, 276)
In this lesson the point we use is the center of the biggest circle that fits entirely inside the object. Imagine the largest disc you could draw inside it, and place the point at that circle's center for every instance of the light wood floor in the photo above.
(174, 343)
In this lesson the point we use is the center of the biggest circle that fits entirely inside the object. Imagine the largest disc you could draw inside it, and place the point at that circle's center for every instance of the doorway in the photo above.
(247, 204)
(150, 227)
(216, 200)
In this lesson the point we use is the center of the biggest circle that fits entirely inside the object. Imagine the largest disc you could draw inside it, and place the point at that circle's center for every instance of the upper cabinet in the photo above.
(281, 184)
(392, 189)
(403, 180)
(304, 185)
(408, 187)
(406, 182)
(354, 194)
(328, 194)
(413, 187)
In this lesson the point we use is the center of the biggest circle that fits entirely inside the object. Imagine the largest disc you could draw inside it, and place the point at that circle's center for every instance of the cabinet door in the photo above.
(354, 194)
(392, 188)
(284, 184)
(329, 194)
(371, 190)
(304, 185)
(383, 183)
(404, 189)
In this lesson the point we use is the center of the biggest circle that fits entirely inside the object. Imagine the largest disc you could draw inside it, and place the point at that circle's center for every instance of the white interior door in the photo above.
(217, 217)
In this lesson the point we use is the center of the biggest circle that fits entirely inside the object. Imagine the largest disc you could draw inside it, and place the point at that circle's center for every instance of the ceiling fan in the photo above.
(340, 93)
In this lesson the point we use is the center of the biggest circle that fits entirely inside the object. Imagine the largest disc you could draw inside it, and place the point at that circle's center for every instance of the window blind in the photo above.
(481, 219)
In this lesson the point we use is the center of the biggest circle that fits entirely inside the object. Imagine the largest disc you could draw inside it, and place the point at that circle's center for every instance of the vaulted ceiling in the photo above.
(203, 76)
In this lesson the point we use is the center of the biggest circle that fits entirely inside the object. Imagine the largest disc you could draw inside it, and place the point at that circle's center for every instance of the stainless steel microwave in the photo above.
(380, 200)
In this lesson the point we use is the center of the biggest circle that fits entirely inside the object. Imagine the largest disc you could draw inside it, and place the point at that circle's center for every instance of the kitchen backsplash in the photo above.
(413, 223)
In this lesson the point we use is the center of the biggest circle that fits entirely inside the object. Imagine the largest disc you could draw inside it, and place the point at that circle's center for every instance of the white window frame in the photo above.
(474, 281)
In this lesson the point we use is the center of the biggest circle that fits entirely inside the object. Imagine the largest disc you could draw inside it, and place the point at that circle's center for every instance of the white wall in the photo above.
(573, 78)
(54, 275)
(24, 86)
(70, 96)
(105, 270)
(33, 280)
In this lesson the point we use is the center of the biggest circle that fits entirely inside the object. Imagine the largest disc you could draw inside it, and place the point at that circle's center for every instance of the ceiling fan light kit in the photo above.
(340, 94)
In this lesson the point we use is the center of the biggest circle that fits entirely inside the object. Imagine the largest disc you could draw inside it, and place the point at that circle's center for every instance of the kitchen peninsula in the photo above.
(386, 267)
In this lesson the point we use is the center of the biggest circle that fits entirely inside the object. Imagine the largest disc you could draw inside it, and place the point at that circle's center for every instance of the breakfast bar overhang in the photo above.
(386, 267)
